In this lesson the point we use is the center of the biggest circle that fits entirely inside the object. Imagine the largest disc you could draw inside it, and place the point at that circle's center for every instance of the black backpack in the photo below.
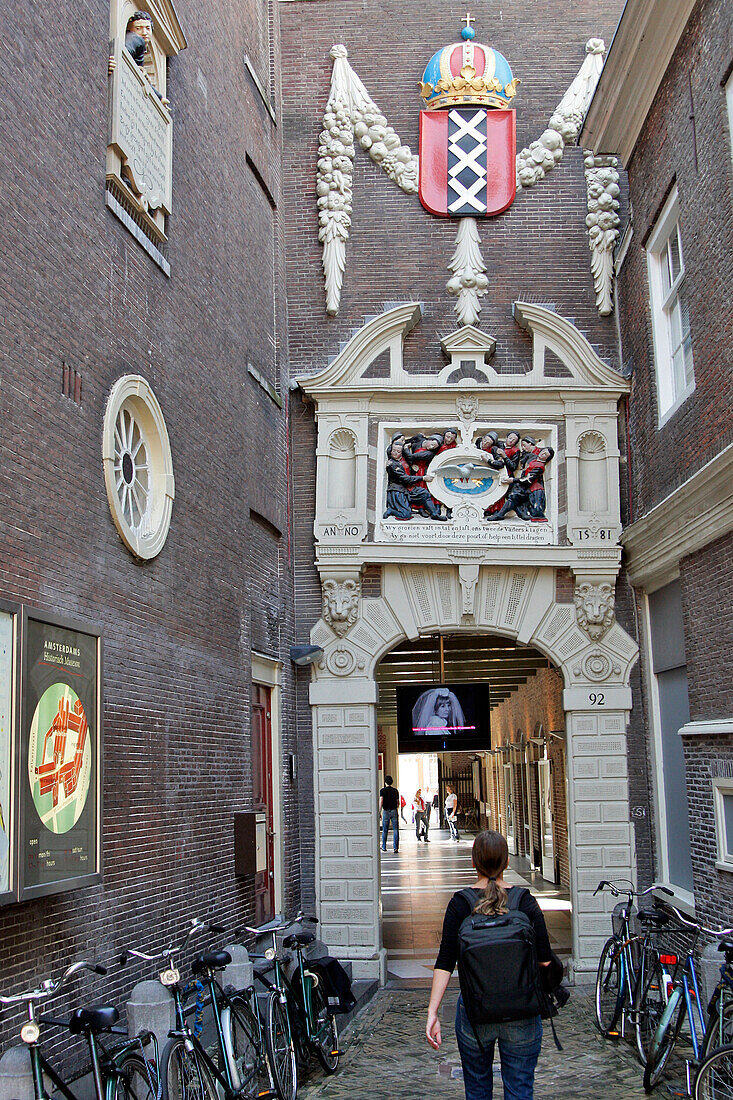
(497, 964)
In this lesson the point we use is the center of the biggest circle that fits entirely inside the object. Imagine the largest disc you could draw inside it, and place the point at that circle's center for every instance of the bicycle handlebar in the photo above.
(715, 933)
(197, 925)
(616, 889)
(271, 927)
(52, 985)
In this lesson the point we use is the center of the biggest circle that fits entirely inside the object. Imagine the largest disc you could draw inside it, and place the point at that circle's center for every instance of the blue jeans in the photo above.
(519, 1048)
(387, 816)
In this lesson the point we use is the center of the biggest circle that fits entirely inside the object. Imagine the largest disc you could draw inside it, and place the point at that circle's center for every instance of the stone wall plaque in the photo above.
(141, 131)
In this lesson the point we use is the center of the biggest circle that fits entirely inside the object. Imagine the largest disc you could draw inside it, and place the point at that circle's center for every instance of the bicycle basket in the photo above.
(617, 919)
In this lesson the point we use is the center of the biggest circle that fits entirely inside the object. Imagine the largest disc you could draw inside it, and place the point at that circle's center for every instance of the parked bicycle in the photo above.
(714, 1079)
(306, 1021)
(683, 1003)
(240, 1068)
(120, 1072)
(631, 979)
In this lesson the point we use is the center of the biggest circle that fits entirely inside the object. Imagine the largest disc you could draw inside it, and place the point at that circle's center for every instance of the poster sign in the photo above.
(59, 775)
(7, 721)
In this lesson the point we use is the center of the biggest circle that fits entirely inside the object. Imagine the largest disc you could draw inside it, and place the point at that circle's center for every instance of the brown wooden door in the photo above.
(262, 802)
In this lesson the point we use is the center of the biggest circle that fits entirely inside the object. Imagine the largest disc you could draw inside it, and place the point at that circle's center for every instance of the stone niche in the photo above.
(140, 150)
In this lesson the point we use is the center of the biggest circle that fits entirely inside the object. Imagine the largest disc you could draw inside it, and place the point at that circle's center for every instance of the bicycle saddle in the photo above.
(727, 946)
(98, 1018)
(213, 960)
(653, 916)
(301, 938)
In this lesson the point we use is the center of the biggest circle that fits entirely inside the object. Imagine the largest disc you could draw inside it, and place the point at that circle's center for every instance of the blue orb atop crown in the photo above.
(468, 73)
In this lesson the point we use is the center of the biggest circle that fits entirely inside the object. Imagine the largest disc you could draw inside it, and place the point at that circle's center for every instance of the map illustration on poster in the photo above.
(59, 767)
(6, 733)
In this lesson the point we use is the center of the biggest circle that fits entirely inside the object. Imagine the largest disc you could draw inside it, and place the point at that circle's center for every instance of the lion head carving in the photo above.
(340, 604)
(594, 608)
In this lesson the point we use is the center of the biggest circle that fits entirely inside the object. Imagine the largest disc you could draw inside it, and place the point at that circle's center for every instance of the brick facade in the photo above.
(78, 292)
(685, 142)
(396, 251)
(698, 160)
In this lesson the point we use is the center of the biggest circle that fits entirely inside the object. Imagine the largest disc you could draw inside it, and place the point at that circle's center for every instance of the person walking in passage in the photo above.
(451, 812)
(421, 826)
(519, 1040)
(428, 808)
(403, 803)
(389, 800)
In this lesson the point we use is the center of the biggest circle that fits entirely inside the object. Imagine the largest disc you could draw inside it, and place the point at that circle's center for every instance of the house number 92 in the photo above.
(597, 699)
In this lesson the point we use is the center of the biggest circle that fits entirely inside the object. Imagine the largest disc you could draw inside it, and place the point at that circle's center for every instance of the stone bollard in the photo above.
(240, 972)
(709, 971)
(16, 1078)
(150, 1008)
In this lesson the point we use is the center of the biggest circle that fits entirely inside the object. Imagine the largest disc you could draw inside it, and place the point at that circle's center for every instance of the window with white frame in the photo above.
(723, 796)
(670, 312)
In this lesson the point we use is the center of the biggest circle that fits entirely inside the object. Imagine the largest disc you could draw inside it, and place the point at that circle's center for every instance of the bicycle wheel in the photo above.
(719, 1028)
(132, 1079)
(183, 1075)
(665, 1038)
(326, 1043)
(714, 1079)
(610, 987)
(280, 1049)
(246, 1053)
(649, 1000)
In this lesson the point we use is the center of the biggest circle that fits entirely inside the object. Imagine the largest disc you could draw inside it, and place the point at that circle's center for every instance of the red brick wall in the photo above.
(663, 459)
(538, 702)
(77, 289)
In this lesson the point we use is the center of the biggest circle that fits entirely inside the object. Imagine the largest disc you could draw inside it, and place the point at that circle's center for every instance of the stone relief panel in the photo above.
(485, 483)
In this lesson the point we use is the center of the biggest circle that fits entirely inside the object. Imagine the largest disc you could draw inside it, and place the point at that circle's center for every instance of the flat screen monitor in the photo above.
(443, 718)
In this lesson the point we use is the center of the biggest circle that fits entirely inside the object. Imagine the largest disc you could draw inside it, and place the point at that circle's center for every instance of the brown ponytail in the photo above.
(490, 858)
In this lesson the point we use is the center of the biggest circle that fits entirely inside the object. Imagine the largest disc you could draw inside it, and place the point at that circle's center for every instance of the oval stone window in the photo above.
(138, 467)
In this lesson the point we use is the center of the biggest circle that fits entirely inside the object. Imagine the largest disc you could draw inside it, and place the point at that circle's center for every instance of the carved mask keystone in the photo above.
(594, 608)
(340, 604)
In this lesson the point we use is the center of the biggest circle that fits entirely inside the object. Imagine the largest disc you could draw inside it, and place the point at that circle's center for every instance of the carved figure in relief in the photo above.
(340, 604)
(406, 490)
(594, 608)
(526, 493)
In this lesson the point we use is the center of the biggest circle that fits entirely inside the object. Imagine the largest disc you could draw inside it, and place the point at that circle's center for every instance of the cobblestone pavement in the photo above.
(386, 1057)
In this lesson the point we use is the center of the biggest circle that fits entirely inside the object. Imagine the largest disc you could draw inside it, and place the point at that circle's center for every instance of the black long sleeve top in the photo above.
(398, 477)
(457, 911)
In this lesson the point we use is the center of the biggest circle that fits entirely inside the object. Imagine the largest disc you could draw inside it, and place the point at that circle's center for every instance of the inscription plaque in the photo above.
(142, 133)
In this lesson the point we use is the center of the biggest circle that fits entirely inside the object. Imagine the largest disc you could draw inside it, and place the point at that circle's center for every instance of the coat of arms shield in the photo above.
(467, 161)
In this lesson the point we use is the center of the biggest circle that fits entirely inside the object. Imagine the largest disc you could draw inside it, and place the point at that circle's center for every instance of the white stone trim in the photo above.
(637, 60)
(133, 395)
(691, 517)
(716, 727)
(722, 785)
(267, 671)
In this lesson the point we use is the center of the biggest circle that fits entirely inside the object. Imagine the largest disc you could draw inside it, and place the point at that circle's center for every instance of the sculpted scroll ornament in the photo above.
(601, 178)
(340, 604)
(594, 608)
(539, 158)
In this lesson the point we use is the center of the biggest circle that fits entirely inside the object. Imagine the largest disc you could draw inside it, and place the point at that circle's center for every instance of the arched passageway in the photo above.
(512, 779)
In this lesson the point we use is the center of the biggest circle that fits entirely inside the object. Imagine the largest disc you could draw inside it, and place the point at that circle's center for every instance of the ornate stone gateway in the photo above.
(470, 494)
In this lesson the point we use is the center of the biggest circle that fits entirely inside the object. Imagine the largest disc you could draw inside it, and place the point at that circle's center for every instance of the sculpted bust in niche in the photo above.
(138, 43)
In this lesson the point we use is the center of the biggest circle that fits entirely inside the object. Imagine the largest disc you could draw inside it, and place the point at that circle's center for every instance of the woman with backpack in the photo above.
(485, 931)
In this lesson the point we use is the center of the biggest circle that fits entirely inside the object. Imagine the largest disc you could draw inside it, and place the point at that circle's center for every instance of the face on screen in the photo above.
(443, 716)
